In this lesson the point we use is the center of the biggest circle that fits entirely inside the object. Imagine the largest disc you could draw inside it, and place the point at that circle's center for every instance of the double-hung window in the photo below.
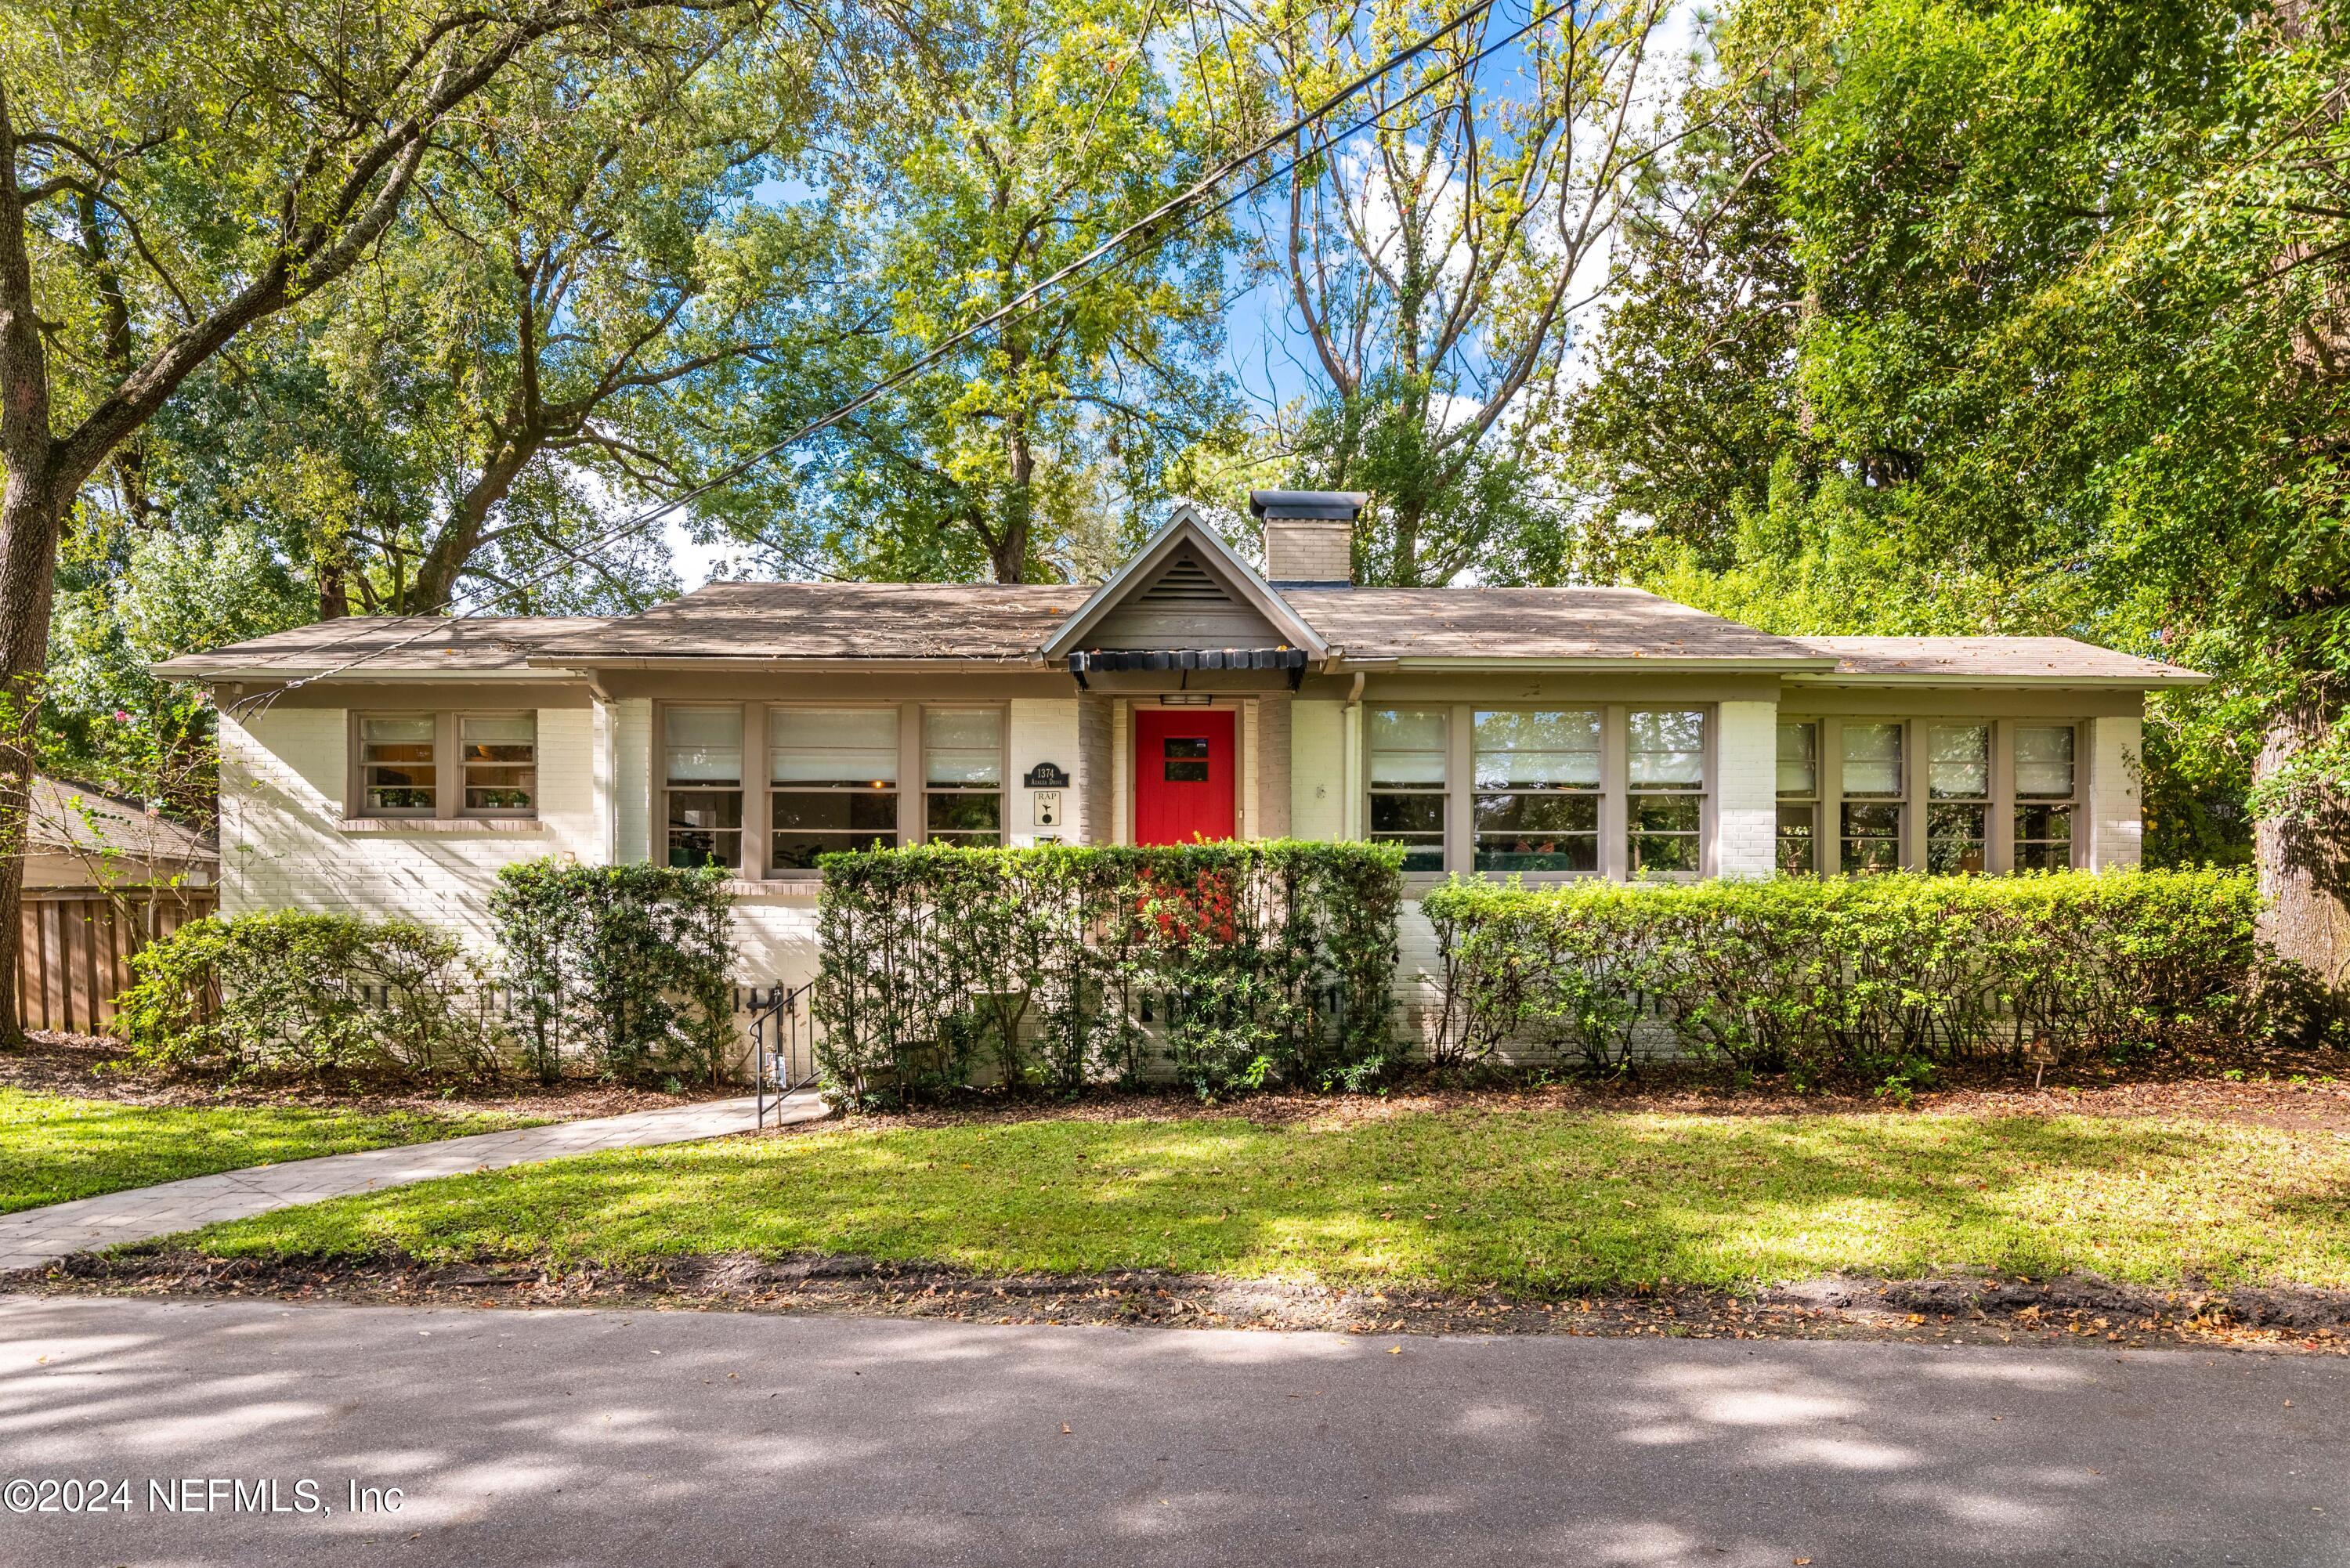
(963, 776)
(1408, 778)
(1537, 789)
(2046, 783)
(446, 765)
(1799, 798)
(1957, 796)
(399, 773)
(832, 775)
(1664, 749)
(499, 752)
(702, 778)
(1874, 791)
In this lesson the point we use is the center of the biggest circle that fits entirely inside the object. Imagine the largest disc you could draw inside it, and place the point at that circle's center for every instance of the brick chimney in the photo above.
(1309, 535)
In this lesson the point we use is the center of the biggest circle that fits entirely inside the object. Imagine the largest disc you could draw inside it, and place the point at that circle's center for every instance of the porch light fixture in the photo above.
(1185, 699)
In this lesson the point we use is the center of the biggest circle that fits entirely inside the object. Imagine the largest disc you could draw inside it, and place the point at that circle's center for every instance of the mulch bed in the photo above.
(2078, 1311)
(77, 1065)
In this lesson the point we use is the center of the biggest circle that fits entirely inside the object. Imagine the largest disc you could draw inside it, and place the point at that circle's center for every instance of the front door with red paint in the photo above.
(1182, 774)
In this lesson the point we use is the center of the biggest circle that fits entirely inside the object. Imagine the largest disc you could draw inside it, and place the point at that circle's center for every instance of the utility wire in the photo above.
(1022, 304)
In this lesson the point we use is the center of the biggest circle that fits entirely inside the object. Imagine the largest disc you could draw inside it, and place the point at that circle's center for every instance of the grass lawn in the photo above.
(56, 1146)
(1529, 1201)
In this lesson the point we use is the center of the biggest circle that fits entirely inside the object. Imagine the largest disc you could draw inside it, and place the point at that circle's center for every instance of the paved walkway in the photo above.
(32, 1236)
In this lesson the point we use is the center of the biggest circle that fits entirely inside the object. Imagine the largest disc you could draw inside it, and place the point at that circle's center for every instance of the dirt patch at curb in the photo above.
(2084, 1311)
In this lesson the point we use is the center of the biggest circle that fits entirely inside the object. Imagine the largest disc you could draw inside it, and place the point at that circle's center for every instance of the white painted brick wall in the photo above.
(282, 773)
(1317, 771)
(2116, 811)
(1746, 794)
(1043, 729)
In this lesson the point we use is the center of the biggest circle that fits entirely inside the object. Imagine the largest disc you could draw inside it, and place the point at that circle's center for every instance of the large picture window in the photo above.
(1664, 749)
(1407, 779)
(963, 774)
(1798, 852)
(399, 773)
(1957, 796)
(2045, 786)
(702, 775)
(1537, 791)
(832, 775)
(1869, 830)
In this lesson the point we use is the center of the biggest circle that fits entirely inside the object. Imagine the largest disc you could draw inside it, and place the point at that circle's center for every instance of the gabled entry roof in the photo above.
(1199, 566)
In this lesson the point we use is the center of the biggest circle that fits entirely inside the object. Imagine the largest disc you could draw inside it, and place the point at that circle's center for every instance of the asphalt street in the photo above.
(713, 1438)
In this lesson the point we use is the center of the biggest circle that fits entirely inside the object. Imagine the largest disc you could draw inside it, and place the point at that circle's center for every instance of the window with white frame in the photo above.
(1407, 779)
(1875, 787)
(1664, 754)
(2046, 785)
(1957, 797)
(963, 776)
(499, 754)
(1799, 798)
(832, 777)
(702, 785)
(400, 774)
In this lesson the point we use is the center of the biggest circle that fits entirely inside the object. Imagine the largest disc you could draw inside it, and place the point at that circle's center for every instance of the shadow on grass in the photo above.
(1527, 1201)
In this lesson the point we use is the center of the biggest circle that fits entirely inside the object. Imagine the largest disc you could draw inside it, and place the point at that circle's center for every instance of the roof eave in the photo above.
(1762, 666)
(1960, 677)
(754, 664)
(342, 673)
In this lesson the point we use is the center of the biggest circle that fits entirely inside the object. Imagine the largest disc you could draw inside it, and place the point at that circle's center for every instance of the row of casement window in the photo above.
(832, 777)
(1867, 810)
(832, 781)
(1538, 781)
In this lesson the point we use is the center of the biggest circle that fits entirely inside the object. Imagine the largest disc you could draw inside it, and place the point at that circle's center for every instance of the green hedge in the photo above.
(289, 994)
(625, 970)
(1254, 964)
(1878, 976)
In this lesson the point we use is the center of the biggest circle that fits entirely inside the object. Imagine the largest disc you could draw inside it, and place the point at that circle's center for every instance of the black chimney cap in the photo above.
(1344, 505)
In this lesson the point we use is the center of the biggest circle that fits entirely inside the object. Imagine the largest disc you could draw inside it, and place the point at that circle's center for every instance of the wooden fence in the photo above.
(74, 947)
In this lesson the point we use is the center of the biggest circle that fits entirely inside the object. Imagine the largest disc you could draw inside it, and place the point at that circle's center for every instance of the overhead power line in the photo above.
(1028, 300)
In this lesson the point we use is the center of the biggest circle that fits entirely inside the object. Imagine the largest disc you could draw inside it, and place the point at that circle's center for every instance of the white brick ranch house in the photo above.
(383, 767)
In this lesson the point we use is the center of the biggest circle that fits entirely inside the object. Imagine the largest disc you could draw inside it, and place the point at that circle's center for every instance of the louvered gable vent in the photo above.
(1184, 605)
(1184, 582)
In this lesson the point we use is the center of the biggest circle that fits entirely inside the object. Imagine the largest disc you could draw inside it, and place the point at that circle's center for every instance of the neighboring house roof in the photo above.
(391, 646)
(1945, 659)
(1581, 624)
(73, 819)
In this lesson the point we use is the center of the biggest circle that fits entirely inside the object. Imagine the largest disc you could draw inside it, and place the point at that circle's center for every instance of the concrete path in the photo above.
(32, 1236)
(640, 1438)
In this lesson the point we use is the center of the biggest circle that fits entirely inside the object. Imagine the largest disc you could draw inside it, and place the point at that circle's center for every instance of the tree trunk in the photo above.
(1010, 550)
(2303, 857)
(29, 512)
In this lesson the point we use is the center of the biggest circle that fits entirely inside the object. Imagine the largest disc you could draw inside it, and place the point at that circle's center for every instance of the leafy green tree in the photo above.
(1434, 262)
(172, 177)
(990, 143)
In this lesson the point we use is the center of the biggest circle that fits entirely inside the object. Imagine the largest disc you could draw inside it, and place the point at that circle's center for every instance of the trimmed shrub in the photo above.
(623, 969)
(308, 995)
(1260, 963)
(1880, 977)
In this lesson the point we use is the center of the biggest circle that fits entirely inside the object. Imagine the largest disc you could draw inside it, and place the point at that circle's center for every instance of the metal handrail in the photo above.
(779, 1020)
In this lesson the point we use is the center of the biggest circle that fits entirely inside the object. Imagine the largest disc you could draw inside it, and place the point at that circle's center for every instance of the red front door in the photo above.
(1182, 774)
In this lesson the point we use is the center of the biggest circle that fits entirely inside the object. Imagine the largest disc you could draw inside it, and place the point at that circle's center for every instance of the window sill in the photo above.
(468, 826)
